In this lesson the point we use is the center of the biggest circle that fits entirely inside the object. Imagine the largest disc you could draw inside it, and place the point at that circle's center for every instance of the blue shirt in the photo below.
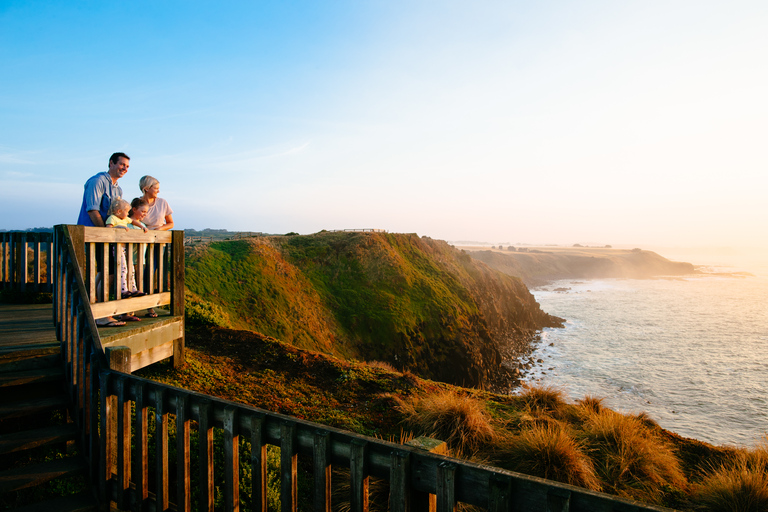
(98, 195)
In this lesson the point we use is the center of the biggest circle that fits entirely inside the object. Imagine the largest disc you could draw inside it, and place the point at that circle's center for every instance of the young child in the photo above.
(139, 210)
(118, 218)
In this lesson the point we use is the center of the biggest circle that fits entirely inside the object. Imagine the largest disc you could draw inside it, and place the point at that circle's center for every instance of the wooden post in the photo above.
(205, 443)
(421, 500)
(231, 462)
(358, 469)
(322, 471)
(288, 460)
(183, 459)
(400, 482)
(258, 463)
(177, 291)
(161, 451)
(446, 487)
(141, 460)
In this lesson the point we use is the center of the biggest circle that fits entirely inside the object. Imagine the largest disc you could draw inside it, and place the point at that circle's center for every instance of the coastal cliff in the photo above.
(413, 302)
(539, 266)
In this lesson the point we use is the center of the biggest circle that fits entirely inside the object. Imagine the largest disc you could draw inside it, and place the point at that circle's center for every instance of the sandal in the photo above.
(112, 323)
(130, 318)
(151, 314)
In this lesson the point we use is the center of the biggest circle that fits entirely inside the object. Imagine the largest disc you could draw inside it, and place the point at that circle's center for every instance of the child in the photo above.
(118, 218)
(139, 210)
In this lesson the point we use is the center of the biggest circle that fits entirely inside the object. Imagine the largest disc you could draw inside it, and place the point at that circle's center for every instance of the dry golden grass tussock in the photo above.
(549, 451)
(630, 458)
(543, 399)
(592, 404)
(740, 485)
(459, 420)
(383, 365)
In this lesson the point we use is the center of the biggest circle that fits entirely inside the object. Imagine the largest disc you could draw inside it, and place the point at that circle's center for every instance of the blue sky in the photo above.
(638, 122)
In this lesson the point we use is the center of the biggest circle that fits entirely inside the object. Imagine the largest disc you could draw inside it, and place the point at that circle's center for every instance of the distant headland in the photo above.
(537, 266)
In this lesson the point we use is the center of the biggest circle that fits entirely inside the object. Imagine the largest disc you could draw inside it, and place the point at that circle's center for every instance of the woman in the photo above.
(159, 216)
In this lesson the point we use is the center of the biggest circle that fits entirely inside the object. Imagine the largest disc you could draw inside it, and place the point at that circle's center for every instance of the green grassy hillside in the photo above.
(413, 302)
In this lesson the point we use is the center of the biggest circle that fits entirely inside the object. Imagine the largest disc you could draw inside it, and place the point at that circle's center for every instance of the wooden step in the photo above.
(83, 502)
(33, 475)
(31, 407)
(36, 376)
(29, 439)
(22, 361)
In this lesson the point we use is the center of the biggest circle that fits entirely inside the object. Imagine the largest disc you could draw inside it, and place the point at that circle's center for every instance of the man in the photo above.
(101, 189)
(99, 192)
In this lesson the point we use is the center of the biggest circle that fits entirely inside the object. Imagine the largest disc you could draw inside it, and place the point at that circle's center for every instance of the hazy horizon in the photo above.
(638, 123)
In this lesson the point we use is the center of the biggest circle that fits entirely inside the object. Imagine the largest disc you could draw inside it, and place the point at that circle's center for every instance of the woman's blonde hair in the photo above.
(147, 182)
(117, 204)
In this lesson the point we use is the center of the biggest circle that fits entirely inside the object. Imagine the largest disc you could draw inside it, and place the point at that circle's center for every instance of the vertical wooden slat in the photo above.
(92, 273)
(322, 471)
(183, 460)
(161, 451)
(558, 500)
(231, 461)
(446, 487)
(129, 250)
(94, 451)
(72, 338)
(358, 468)
(288, 462)
(123, 443)
(205, 443)
(258, 464)
(400, 482)
(36, 262)
(79, 358)
(499, 493)
(140, 267)
(2, 260)
(76, 329)
(141, 458)
(105, 444)
(119, 262)
(104, 273)
(23, 262)
(49, 264)
(150, 271)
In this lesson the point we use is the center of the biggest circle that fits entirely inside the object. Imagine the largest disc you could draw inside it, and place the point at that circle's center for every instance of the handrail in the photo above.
(113, 411)
(15, 261)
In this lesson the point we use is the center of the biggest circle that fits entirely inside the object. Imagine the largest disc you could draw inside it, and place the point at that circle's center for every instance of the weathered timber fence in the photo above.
(25, 261)
(138, 436)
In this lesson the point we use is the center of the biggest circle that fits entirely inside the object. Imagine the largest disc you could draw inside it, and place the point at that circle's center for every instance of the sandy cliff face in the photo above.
(416, 303)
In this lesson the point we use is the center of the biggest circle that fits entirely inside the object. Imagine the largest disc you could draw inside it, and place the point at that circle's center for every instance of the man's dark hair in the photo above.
(115, 156)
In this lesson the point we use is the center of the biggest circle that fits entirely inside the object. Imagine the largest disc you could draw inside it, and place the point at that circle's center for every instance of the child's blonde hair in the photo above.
(117, 204)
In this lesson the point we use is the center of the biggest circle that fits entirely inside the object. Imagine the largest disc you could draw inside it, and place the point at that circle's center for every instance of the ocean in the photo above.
(691, 351)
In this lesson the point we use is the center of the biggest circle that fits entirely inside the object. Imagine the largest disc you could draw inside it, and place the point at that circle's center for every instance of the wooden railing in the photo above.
(25, 261)
(156, 447)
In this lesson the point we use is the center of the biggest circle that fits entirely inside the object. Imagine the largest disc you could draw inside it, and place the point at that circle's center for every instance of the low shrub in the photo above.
(200, 312)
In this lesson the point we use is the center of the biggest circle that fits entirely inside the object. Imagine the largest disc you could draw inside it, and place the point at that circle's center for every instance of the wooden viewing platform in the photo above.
(129, 443)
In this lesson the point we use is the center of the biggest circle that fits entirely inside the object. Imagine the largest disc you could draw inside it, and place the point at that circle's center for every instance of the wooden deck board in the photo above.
(26, 325)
